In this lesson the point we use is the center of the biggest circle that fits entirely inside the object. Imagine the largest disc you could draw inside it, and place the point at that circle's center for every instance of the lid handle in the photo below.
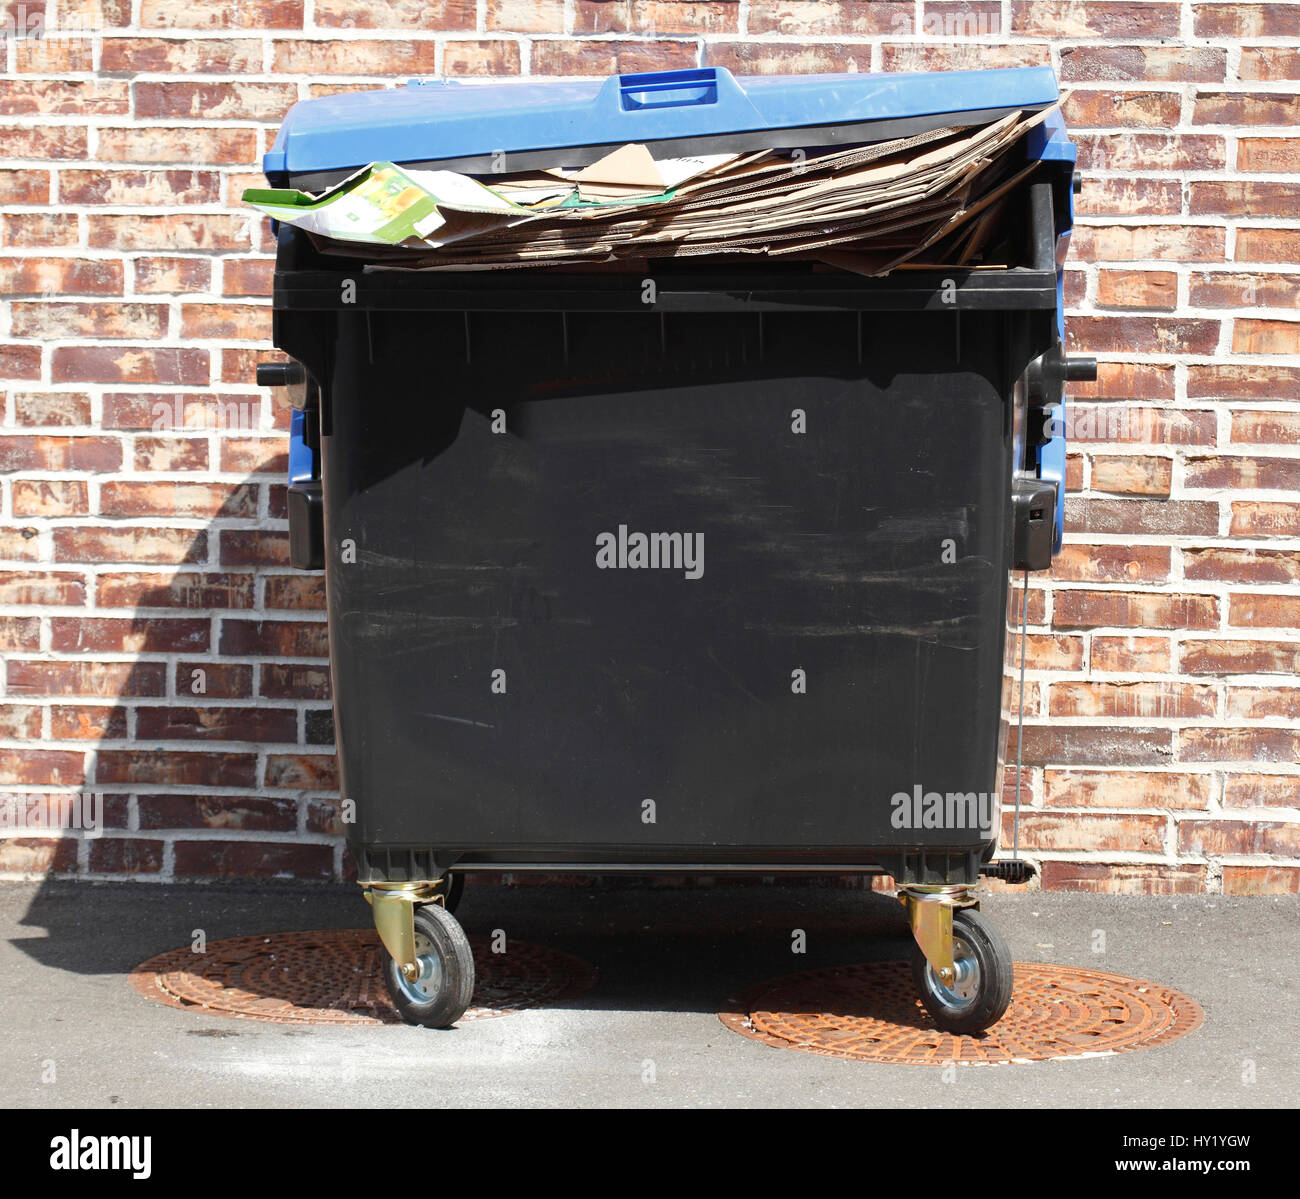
(652, 91)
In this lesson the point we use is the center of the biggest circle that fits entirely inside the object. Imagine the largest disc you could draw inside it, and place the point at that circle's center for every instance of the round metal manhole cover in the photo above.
(333, 977)
(871, 1013)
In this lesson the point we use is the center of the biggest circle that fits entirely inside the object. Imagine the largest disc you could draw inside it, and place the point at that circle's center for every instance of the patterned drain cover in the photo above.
(871, 1013)
(333, 977)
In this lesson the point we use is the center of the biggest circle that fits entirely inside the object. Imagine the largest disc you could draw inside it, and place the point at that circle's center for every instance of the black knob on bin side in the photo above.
(280, 374)
(1080, 368)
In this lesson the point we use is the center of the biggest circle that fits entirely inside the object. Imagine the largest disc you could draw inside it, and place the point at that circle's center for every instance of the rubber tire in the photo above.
(996, 977)
(455, 889)
(451, 947)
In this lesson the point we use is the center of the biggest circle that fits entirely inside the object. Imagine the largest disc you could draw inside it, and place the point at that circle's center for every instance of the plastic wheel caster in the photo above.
(981, 990)
(438, 997)
(455, 888)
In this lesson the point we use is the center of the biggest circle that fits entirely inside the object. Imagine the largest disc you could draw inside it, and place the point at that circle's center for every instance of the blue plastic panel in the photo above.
(302, 458)
(447, 119)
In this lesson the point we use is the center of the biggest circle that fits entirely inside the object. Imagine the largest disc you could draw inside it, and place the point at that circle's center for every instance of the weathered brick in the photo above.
(1261, 880)
(1163, 700)
(1154, 64)
(1137, 289)
(1239, 837)
(1145, 878)
(252, 859)
(1131, 474)
(1126, 789)
(1243, 656)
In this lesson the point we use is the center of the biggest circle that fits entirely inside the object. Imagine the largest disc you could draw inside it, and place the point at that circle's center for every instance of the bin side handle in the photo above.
(650, 91)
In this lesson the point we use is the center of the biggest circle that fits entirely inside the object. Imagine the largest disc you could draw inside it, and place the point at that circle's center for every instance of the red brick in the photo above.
(1265, 336)
(448, 15)
(1240, 289)
(1143, 334)
(254, 547)
(20, 722)
(1239, 837)
(1154, 64)
(218, 811)
(1103, 563)
(1260, 703)
(42, 767)
(181, 56)
(1151, 151)
(1268, 154)
(1145, 878)
(20, 362)
(63, 97)
(1152, 518)
(87, 722)
(1263, 611)
(19, 633)
(1151, 701)
(1209, 656)
(1239, 471)
(529, 16)
(51, 408)
(245, 859)
(614, 57)
(199, 500)
(1242, 565)
(214, 14)
(247, 276)
(1089, 18)
(1125, 789)
(38, 855)
(1267, 245)
(1268, 63)
(239, 322)
(58, 321)
(139, 187)
(1132, 381)
(129, 364)
(912, 56)
(215, 680)
(1245, 20)
(49, 497)
(812, 18)
(1092, 745)
(1266, 428)
(461, 58)
(100, 634)
(255, 455)
(1106, 834)
(1161, 610)
(310, 772)
(295, 592)
(1257, 744)
(185, 146)
(173, 767)
(1231, 380)
(137, 589)
(1261, 880)
(677, 16)
(43, 141)
(1132, 474)
(1134, 243)
(82, 677)
(1094, 107)
(1249, 109)
(44, 451)
(167, 276)
(60, 276)
(1260, 518)
(24, 187)
(42, 587)
(125, 855)
(133, 545)
(280, 638)
(275, 725)
(171, 453)
(1137, 289)
(288, 680)
(1261, 790)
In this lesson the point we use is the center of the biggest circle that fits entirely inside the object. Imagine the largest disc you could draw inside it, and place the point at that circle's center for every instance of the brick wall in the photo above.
(142, 534)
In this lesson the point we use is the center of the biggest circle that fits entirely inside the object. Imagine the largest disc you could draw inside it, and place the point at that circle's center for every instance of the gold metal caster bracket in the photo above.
(929, 911)
(394, 905)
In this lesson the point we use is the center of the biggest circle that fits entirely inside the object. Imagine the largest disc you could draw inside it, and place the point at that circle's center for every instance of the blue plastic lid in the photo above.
(449, 120)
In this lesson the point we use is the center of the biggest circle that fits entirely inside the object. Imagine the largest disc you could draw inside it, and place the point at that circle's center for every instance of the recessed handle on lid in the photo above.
(653, 91)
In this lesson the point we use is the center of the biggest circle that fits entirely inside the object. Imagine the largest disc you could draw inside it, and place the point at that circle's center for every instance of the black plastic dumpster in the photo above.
(708, 576)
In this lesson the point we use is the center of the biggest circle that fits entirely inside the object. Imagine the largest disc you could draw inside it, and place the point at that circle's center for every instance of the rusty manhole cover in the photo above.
(871, 1013)
(333, 977)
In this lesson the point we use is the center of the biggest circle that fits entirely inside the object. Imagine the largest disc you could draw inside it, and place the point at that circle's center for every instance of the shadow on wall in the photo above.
(216, 759)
